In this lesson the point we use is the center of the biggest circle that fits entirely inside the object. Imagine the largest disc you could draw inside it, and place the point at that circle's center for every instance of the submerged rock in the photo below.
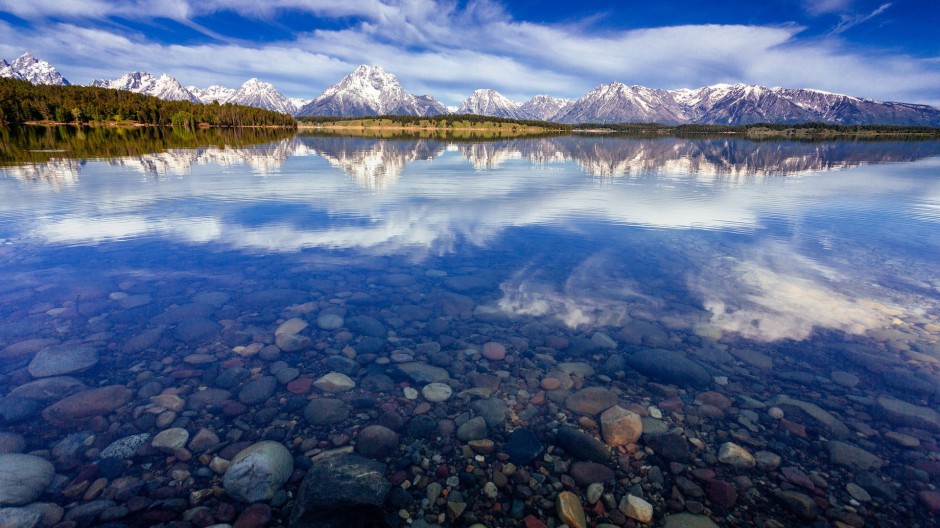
(23, 478)
(257, 472)
(77, 408)
(669, 367)
(58, 360)
(340, 491)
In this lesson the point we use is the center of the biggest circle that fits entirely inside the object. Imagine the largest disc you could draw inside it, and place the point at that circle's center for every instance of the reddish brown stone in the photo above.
(80, 407)
(931, 499)
(721, 493)
(300, 386)
(254, 516)
(532, 521)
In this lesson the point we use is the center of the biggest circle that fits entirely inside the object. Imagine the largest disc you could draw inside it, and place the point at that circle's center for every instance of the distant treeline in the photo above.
(439, 121)
(38, 144)
(764, 129)
(22, 102)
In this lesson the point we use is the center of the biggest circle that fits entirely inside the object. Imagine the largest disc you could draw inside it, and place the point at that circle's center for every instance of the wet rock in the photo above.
(291, 326)
(257, 391)
(376, 441)
(620, 426)
(492, 410)
(523, 446)
(568, 507)
(58, 360)
(87, 513)
(494, 351)
(721, 493)
(23, 478)
(437, 392)
(582, 445)
(473, 429)
(902, 413)
(292, 342)
(366, 325)
(13, 410)
(930, 499)
(767, 461)
(422, 426)
(591, 401)
(753, 358)
(326, 411)
(26, 348)
(48, 389)
(673, 447)
(211, 397)
(196, 330)
(800, 504)
(688, 520)
(254, 516)
(329, 321)
(170, 440)
(258, 472)
(82, 406)
(422, 373)
(19, 518)
(340, 491)
(636, 508)
(735, 456)
(669, 367)
(11, 443)
(852, 456)
(822, 418)
(334, 382)
(125, 447)
(203, 441)
(585, 473)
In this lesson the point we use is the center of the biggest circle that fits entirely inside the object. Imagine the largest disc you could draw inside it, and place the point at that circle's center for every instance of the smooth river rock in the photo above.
(339, 491)
(58, 360)
(76, 409)
(669, 367)
(257, 472)
(23, 478)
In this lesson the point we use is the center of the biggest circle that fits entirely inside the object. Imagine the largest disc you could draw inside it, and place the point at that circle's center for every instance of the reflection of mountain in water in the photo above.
(705, 158)
(54, 174)
(373, 164)
(263, 159)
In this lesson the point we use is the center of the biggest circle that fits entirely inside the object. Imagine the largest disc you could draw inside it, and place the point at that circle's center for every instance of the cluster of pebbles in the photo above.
(407, 404)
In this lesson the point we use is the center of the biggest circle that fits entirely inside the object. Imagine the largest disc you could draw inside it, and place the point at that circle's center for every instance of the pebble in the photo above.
(735, 456)
(636, 508)
(335, 382)
(376, 441)
(436, 392)
(620, 427)
(569, 510)
(494, 351)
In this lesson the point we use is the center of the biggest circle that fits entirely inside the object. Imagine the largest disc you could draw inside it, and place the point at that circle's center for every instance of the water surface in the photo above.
(802, 271)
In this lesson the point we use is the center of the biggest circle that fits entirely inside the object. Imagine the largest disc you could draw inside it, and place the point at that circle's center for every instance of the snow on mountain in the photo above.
(738, 104)
(369, 90)
(492, 103)
(163, 87)
(213, 94)
(298, 103)
(260, 94)
(544, 106)
(29, 68)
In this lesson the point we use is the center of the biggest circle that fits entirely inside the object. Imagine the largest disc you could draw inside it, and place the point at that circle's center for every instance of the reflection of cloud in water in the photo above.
(77, 230)
(593, 295)
(778, 295)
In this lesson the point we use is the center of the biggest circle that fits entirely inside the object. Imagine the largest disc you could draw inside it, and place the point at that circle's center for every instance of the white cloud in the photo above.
(449, 50)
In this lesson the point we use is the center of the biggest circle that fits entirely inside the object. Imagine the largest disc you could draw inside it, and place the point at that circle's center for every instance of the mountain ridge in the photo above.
(370, 90)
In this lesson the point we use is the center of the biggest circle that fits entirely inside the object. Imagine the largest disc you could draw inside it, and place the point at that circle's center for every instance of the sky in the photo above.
(887, 50)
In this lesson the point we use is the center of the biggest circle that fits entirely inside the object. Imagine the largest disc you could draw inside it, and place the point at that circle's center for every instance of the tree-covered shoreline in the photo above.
(22, 102)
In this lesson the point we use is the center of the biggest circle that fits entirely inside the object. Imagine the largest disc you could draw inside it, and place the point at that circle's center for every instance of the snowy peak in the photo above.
(492, 103)
(260, 94)
(163, 87)
(370, 90)
(616, 103)
(213, 94)
(544, 107)
(28, 68)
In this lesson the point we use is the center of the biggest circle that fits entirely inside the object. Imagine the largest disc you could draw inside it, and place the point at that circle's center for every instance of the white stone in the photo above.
(636, 508)
(436, 392)
(329, 321)
(292, 327)
(23, 478)
(258, 471)
(335, 382)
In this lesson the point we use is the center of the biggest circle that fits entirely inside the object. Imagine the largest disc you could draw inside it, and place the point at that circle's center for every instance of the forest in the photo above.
(22, 102)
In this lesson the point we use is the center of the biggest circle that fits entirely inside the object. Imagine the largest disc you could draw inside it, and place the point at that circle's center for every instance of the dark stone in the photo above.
(582, 445)
(721, 493)
(342, 491)
(196, 329)
(585, 473)
(326, 411)
(376, 441)
(672, 447)
(493, 411)
(669, 367)
(14, 409)
(256, 391)
(254, 516)
(367, 326)
(110, 468)
(422, 426)
(377, 383)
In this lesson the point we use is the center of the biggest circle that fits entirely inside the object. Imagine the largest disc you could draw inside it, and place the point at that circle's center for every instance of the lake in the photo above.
(262, 328)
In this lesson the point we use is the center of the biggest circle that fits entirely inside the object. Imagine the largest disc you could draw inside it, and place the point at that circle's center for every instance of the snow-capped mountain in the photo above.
(163, 87)
(260, 94)
(298, 103)
(544, 106)
(29, 68)
(213, 94)
(492, 103)
(369, 90)
(738, 104)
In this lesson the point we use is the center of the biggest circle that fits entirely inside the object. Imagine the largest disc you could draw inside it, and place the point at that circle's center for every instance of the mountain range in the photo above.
(369, 90)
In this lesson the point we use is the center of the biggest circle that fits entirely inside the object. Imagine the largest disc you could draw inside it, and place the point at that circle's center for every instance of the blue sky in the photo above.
(880, 49)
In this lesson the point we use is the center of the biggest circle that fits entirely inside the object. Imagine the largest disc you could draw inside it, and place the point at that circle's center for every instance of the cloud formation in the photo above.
(450, 49)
